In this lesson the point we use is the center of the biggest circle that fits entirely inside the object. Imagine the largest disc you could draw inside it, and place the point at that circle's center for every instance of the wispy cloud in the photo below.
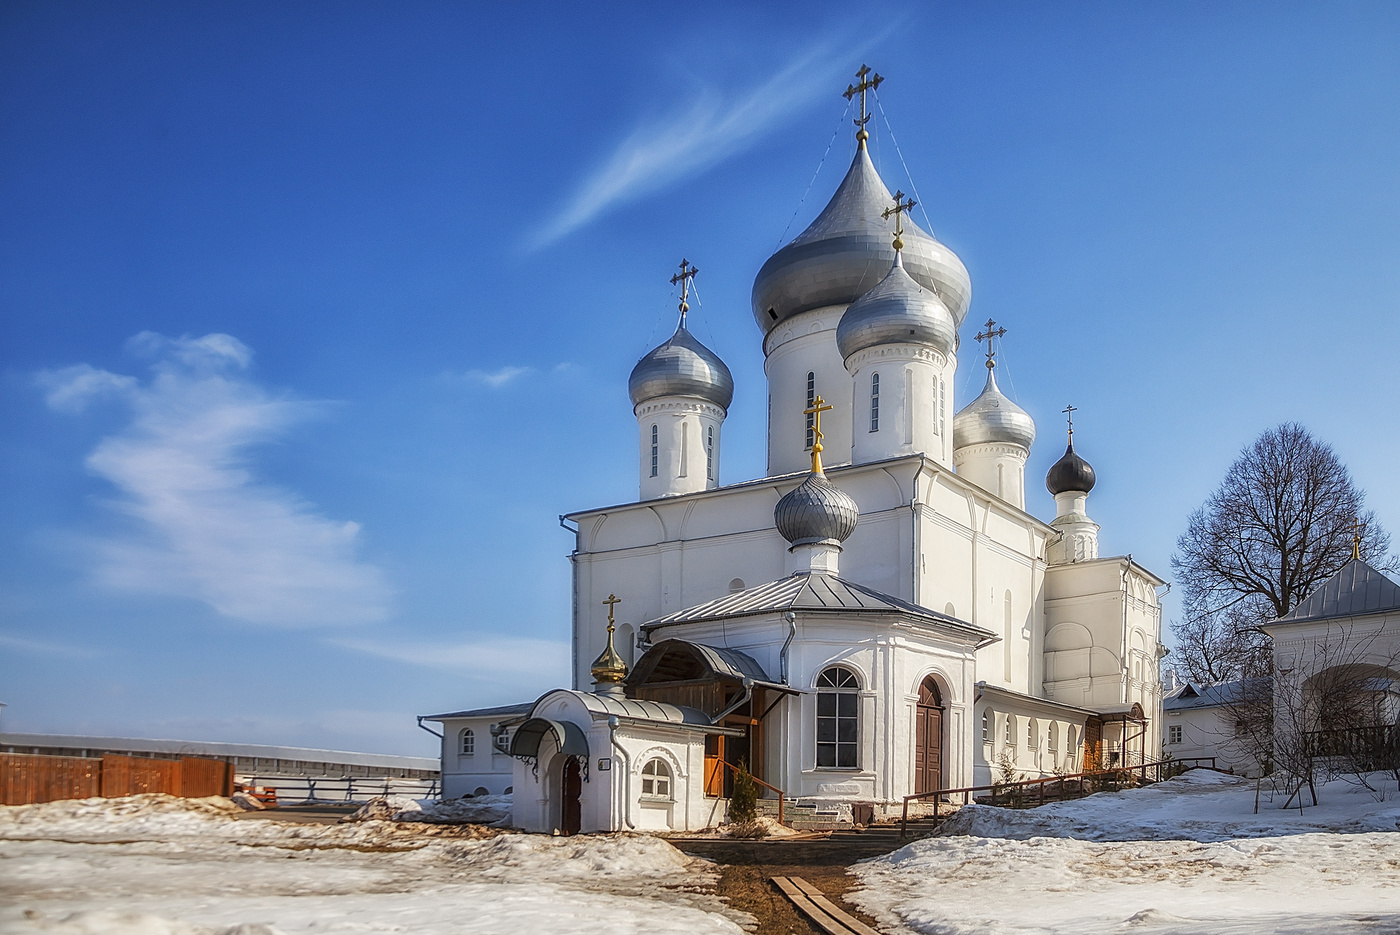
(525, 662)
(495, 379)
(40, 647)
(714, 127)
(199, 524)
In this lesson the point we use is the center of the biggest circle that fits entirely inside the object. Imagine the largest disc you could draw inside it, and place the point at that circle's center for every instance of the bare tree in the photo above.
(1280, 524)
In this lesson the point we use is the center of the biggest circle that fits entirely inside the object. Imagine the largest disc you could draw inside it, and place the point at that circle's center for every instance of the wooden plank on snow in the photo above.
(836, 912)
(823, 919)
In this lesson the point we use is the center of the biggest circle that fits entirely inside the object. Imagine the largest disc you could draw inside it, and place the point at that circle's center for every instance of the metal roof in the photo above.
(810, 593)
(216, 749)
(1355, 590)
(722, 663)
(1191, 695)
(503, 711)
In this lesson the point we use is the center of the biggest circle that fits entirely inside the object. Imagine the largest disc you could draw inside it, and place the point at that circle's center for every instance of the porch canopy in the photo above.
(569, 737)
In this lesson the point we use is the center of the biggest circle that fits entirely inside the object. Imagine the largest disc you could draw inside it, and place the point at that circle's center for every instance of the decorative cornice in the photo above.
(680, 405)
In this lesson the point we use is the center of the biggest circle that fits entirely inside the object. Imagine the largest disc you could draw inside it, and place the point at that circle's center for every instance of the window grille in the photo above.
(710, 453)
(987, 726)
(1174, 734)
(1011, 730)
(874, 402)
(811, 400)
(838, 723)
(468, 742)
(656, 779)
(654, 447)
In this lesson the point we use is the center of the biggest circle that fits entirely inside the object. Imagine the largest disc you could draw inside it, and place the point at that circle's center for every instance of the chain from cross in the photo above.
(1069, 412)
(612, 601)
(1358, 529)
(991, 334)
(901, 207)
(684, 277)
(865, 85)
(815, 411)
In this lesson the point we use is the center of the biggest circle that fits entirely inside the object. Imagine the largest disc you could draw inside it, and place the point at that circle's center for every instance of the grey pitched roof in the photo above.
(504, 711)
(1213, 695)
(810, 593)
(1356, 589)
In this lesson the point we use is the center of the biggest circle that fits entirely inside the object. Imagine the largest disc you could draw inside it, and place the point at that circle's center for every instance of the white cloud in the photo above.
(521, 661)
(713, 128)
(70, 389)
(492, 378)
(201, 526)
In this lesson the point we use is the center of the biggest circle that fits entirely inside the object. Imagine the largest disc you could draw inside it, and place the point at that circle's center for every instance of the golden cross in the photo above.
(815, 411)
(1069, 412)
(1358, 529)
(684, 277)
(612, 600)
(899, 209)
(990, 334)
(853, 89)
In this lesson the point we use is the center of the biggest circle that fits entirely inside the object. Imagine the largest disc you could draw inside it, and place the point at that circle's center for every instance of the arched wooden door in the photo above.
(928, 738)
(572, 812)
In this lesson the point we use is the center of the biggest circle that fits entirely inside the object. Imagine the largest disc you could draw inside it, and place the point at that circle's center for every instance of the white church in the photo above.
(879, 616)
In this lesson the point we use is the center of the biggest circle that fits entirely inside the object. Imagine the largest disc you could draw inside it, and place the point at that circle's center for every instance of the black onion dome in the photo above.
(1070, 473)
(815, 511)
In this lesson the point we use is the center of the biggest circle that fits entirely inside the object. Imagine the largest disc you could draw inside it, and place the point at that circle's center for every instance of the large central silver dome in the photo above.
(681, 366)
(991, 417)
(897, 311)
(846, 251)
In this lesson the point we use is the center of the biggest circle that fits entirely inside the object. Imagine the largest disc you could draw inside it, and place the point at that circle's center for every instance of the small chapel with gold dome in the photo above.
(878, 617)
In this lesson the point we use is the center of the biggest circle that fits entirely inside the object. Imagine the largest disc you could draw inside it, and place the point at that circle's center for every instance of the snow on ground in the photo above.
(1181, 857)
(156, 865)
(491, 810)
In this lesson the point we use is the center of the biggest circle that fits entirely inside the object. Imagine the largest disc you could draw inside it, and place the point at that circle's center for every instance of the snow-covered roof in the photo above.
(1355, 590)
(811, 592)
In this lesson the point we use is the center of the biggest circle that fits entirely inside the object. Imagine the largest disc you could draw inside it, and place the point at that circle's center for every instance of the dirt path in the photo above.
(747, 866)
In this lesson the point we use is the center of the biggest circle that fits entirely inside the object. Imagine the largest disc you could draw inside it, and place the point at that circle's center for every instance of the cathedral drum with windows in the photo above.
(876, 618)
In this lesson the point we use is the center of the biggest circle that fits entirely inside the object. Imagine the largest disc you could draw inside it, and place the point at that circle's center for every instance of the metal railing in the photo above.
(781, 795)
(307, 790)
(1016, 792)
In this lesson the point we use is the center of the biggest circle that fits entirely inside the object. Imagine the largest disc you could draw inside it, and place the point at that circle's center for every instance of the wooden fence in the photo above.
(26, 778)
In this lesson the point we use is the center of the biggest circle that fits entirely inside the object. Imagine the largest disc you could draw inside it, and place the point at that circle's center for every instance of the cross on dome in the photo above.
(1069, 412)
(991, 334)
(815, 411)
(612, 601)
(684, 277)
(853, 89)
(900, 208)
(1358, 529)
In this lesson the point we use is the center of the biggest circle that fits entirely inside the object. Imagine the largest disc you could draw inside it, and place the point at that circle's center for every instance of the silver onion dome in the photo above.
(681, 366)
(1071, 472)
(897, 311)
(843, 254)
(816, 511)
(991, 417)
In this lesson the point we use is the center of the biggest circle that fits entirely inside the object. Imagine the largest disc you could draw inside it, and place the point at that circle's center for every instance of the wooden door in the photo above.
(572, 812)
(714, 766)
(928, 738)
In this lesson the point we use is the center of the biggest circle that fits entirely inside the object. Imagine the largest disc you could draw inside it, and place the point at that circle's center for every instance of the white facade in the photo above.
(476, 750)
(678, 446)
(802, 363)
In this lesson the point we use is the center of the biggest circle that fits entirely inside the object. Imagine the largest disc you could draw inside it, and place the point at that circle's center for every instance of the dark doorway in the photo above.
(928, 738)
(571, 816)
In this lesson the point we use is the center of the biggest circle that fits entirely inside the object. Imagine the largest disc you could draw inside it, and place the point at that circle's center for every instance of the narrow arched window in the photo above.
(1033, 734)
(941, 405)
(937, 409)
(838, 725)
(1071, 745)
(654, 448)
(710, 453)
(468, 742)
(656, 779)
(987, 726)
(685, 449)
(1052, 741)
(874, 402)
(811, 399)
(1011, 730)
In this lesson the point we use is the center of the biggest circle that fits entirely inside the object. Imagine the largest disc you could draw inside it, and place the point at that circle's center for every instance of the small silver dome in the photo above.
(815, 511)
(991, 417)
(843, 254)
(682, 366)
(897, 311)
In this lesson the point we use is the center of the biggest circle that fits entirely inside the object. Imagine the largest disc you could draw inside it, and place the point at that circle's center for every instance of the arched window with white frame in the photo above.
(838, 720)
(987, 726)
(874, 402)
(656, 779)
(1071, 746)
(1052, 739)
(1011, 730)
(468, 742)
(1032, 734)
(710, 453)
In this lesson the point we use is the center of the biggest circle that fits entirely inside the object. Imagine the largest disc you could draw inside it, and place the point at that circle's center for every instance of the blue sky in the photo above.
(314, 317)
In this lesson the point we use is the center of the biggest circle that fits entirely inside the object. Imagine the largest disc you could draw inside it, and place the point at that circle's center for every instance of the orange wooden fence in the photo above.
(27, 778)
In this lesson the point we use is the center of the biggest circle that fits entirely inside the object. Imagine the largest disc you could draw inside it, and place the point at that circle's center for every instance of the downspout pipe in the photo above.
(613, 724)
(428, 729)
(739, 702)
(791, 619)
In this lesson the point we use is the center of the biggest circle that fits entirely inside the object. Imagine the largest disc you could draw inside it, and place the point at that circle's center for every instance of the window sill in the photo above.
(656, 800)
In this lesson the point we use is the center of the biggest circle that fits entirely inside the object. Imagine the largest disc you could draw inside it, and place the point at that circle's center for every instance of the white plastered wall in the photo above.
(803, 344)
(485, 767)
(687, 446)
(911, 417)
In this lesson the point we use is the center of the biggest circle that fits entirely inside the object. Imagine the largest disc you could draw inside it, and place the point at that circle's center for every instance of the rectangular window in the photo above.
(710, 453)
(1174, 734)
(811, 398)
(936, 408)
(874, 402)
(653, 451)
(941, 404)
(837, 734)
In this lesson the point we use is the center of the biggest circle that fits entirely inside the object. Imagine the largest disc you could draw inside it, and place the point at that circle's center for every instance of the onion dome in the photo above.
(816, 511)
(838, 258)
(897, 311)
(609, 667)
(991, 417)
(682, 366)
(1071, 472)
